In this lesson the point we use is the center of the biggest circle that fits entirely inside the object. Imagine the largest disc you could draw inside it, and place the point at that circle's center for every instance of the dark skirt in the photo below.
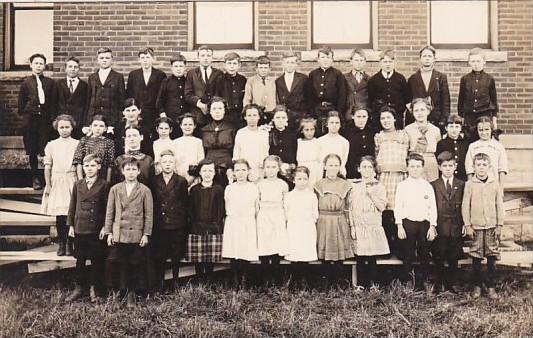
(204, 248)
(88, 246)
(168, 244)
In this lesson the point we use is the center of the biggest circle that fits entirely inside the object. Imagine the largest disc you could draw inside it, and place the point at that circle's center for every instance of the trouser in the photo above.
(36, 133)
(366, 270)
(446, 276)
(62, 229)
(478, 277)
(90, 275)
(415, 245)
(321, 114)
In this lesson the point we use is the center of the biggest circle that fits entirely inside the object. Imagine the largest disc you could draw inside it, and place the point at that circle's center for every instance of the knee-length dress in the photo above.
(59, 154)
(271, 222)
(301, 208)
(366, 216)
(333, 232)
(240, 227)
(391, 152)
(308, 155)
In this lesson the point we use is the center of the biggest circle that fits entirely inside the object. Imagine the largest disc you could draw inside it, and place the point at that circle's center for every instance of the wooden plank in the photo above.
(518, 219)
(20, 191)
(18, 219)
(46, 266)
(20, 206)
(47, 248)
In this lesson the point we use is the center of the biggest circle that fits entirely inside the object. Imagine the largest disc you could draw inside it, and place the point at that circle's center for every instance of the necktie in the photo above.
(448, 188)
(71, 85)
(40, 91)
(264, 81)
(358, 76)
(205, 75)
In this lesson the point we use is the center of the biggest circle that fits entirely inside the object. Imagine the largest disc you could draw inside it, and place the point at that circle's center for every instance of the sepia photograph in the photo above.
(266, 168)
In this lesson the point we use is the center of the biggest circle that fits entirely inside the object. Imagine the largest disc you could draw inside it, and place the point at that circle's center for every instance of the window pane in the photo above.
(224, 23)
(33, 34)
(341, 22)
(459, 22)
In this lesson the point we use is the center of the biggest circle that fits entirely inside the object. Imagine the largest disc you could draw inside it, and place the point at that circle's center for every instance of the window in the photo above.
(460, 24)
(29, 30)
(341, 24)
(224, 25)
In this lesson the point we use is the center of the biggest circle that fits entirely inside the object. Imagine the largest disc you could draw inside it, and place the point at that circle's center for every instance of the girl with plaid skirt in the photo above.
(204, 245)
(391, 152)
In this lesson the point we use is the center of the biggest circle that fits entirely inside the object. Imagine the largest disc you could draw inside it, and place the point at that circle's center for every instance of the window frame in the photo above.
(373, 30)
(193, 44)
(492, 31)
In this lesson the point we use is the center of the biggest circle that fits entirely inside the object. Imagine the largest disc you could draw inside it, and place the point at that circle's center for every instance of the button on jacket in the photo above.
(477, 96)
(106, 99)
(171, 202)
(171, 97)
(88, 206)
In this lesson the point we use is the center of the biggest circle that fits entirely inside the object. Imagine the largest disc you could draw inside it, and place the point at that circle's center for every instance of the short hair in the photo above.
(255, 106)
(187, 116)
(130, 101)
(166, 152)
(204, 47)
(262, 60)
(130, 160)
(425, 100)
(241, 161)
(290, 54)
(216, 99)
(166, 120)
(359, 52)
(415, 157)
(332, 113)
(481, 157)
(302, 169)
(476, 51)
(273, 158)
(325, 50)
(38, 55)
(99, 117)
(102, 50)
(147, 50)
(64, 117)
(92, 157)
(445, 156)
(485, 119)
(307, 120)
(387, 52)
(232, 56)
(428, 47)
(454, 119)
(371, 159)
(178, 58)
(388, 109)
(73, 58)
(203, 163)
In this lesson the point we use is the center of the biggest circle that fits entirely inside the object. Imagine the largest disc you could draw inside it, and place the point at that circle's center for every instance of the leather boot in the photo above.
(62, 248)
(69, 250)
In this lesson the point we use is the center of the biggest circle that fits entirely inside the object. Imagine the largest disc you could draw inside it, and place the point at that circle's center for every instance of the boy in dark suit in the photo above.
(455, 144)
(448, 245)
(36, 103)
(230, 86)
(389, 88)
(328, 89)
(72, 95)
(86, 217)
(169, 234)
(428, 82)
(200, 85)
(292, 90)
(143, 85)
(106, 90)
(357, 84)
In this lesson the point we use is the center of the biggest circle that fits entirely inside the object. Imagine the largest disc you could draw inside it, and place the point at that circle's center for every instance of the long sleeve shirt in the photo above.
(415, 201)
(328, 86)
(483, 203)
(477, 95)
(496, 152)
(259, 93)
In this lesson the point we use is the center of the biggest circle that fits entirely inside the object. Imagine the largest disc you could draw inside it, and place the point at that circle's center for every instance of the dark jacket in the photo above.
(477, 96)
(361, 144)
(283, 144)
(449, 219)
(439, 93)
(357, 93)
(296, 98)
(72, 104)
(145, 94)
(88, 206)
(171, 97)
(393, 92)
(328, 86)
(231, 88)
(28, 98)
(106, 99)
(218, 140)
(196, 89)
(458, 148)
(171, 202)
(146, 165)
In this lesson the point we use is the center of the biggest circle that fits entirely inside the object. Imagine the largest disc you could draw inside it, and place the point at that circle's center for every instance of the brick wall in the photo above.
(80, 28)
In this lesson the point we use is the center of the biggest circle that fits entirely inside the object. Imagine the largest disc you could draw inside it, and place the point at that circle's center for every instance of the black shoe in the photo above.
(69, 250)
(62, 249)
(36, 183)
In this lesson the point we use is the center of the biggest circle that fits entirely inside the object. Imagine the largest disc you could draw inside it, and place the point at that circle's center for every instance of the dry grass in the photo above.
(28, 310)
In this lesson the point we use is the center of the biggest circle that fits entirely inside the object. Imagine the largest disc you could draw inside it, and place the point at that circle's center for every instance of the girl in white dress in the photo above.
(369, 199)
(189, 150)
(333, 142)
(60, 176)
(308, 153)
(164, 142)
(271, 222)
(240, 228)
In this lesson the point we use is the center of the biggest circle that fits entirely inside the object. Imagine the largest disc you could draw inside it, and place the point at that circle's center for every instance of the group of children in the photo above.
(259, 172)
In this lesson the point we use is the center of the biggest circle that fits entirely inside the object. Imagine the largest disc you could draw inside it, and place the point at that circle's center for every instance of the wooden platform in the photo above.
(20, 219)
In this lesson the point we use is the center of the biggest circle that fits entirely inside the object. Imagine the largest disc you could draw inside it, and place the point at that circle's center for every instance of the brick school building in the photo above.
(503, 28)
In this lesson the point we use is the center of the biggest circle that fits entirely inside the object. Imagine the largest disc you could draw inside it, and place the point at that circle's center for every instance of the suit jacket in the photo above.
(28, 98)
(357, 93)
(437, 90)
(72, 104)
(106, 99)
(171, 202)
(171, 97)
(196, 89)
(128, 218)
(87, 208)
(145, 94)
(295, 98)
(361, 144)
(449, 214)
(477, 96)
(393, 92)
(328, 86)
(232, 88)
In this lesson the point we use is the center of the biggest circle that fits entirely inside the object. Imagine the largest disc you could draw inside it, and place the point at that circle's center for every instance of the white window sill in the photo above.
(15, 75)
(453, 55)
(247, 55)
